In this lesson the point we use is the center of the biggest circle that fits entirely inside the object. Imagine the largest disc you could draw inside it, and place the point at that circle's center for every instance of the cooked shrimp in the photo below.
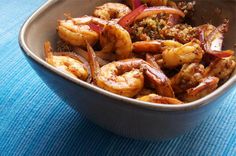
(110, 11)
(112, 77)
(127, 83)
(189, 76)
(159, 99)
(207, 85)
(147, 46)
(116, 39)
(66, 62)
(126, 77)
(221, 68)
(76, 30)
(161, 82)
(154, 46)
(170, 44)
(188, 53)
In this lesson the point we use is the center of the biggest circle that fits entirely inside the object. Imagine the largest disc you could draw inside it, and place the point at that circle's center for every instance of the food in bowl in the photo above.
(151, 52)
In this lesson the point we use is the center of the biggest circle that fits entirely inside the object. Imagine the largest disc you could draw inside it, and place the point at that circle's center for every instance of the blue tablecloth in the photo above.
(34, 121)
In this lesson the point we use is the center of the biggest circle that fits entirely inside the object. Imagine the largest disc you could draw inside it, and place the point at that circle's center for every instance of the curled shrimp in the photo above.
(189, 76)
(221, 68)
(76, 30)
(127, 81)
(68, 62)
(187, 53)
(154, 98)
(126, 77)
(110, 11)
(205, 87)
(116, 39)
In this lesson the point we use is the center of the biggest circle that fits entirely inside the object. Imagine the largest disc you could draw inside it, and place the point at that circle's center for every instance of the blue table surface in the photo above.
(34, 121)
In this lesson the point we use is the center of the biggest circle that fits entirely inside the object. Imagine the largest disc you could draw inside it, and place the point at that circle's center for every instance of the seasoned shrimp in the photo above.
(207, 85)
(110, 11)
(160, 82)
(76, 30)
(170, 44)
(126, 82)
(66, 62)
(126, 77)
(221, 68)
(189, 76)
(188, 53)
(147, 46)
(192, 82)
(154, 46)
(159, 99)
(116, 39)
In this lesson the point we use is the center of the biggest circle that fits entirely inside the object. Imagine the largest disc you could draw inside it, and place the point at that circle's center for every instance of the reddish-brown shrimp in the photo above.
(221, 68)
(207, 85)
(189, 76)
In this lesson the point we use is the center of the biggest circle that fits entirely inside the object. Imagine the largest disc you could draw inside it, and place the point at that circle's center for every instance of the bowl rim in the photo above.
(147, 105)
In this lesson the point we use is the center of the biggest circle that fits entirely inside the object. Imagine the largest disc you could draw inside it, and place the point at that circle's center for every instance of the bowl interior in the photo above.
(42, 25)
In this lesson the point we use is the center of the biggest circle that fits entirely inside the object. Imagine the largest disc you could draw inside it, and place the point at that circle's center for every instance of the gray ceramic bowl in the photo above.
(121, 115)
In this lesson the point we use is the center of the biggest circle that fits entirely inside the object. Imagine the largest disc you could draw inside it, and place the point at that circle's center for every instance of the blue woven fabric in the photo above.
(34, 121)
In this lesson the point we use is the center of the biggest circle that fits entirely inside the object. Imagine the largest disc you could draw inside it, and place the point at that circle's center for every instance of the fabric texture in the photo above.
(34, 121)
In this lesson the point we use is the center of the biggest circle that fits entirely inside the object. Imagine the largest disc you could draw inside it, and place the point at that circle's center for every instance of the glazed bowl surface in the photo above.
(121, 115)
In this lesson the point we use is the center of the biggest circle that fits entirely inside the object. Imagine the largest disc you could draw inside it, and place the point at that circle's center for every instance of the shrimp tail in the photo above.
(152, 61)
(94, 65)
(158, 78)
(48, 52)
(160, 81)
